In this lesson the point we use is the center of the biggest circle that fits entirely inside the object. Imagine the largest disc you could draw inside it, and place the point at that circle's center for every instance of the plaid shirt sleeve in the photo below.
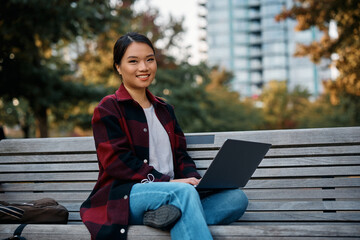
(114, 146)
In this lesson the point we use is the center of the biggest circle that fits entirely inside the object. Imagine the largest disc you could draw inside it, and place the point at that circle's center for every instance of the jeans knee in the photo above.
(241, 199)
(185, 190)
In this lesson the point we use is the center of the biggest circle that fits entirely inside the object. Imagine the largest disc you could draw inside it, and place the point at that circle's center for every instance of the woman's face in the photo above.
(138, 66)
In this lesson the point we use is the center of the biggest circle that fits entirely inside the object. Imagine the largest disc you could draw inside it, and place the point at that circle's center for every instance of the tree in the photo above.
(32, 37)
(322, 113)
(282, 107)
(183, 86)
(224, 109)
(346, 15)
(17, 112)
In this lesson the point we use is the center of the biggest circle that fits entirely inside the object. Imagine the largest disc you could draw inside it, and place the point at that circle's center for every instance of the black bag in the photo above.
(45, 210)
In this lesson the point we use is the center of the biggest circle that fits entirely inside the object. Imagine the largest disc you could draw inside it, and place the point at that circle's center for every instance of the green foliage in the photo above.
(179, 87)
(203, 101)
(32, 36)
(225, 111)
(17, 113)
(282, 107)
(322, 113)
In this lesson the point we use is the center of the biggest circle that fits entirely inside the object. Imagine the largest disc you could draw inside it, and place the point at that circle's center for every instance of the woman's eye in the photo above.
(132, 61)
(151, 59)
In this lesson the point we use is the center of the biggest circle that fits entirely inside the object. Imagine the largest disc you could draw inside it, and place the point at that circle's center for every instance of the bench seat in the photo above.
(307, 186)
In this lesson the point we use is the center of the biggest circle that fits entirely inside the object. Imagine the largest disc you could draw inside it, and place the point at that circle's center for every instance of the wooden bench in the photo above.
(307, 187)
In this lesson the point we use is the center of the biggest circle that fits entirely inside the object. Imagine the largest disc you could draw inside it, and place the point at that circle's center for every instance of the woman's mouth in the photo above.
(143, 77)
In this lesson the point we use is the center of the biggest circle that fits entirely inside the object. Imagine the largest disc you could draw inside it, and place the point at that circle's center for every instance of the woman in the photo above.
(138, 141)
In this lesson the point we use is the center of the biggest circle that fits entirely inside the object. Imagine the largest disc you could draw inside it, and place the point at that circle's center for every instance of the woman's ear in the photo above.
(118, 68)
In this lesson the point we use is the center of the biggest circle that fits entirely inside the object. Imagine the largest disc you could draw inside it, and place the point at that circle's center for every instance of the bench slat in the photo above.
(311, 161)
(298, 162)
(307, 171)
(53, 172)
(276, 137)
(49, 177)
(291, 152)
(295, 136)
(301, 216)
(79, 232)
(252, 184)
(341, 193)
(253, 194)
(52, 158)
(303, 172)
(303, 183)
(260, 172)
(47, 145)
(53, 167)
(303, 205)
(273, 205)
(267, 162)
(283, 216)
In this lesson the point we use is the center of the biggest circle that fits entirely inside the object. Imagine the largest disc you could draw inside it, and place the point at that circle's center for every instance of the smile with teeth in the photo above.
(143, 76)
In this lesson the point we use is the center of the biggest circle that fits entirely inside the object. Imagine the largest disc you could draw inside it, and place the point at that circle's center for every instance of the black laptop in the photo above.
(233, 165)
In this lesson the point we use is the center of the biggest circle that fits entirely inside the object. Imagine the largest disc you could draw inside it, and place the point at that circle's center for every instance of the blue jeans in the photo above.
(222, 207)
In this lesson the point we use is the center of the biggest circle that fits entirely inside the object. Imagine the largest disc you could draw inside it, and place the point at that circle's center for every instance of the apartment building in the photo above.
(243, 37)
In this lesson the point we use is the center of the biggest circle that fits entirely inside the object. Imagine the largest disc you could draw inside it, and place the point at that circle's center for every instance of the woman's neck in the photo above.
(139, 95)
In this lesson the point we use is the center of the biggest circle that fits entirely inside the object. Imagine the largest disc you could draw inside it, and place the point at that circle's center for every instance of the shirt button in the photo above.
(145, 161)
(126, 196)
(145, 130)
(122, 231)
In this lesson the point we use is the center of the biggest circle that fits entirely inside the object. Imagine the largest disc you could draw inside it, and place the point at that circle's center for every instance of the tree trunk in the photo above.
(26, 130)
(25, 124)
(41, 123)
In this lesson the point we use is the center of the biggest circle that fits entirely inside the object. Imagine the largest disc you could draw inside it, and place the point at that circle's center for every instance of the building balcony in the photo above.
(254, 40)
(256, 78)
(254, 15)
(255, 28)
(256, 67)
(254, 3)
(255, 53)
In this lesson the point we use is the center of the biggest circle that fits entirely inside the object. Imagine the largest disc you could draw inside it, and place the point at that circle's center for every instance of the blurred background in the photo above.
(225, 65)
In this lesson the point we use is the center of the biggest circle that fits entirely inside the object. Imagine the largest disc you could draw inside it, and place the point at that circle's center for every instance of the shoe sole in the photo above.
(163, 218)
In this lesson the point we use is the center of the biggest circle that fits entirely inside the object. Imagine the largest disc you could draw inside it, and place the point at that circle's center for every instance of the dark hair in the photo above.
(123, 43)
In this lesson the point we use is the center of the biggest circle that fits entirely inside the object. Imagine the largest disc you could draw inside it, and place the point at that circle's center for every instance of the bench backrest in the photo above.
(308, 175)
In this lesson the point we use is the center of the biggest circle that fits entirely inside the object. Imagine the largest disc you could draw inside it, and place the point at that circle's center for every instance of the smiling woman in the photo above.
(137, 70)
(138, 140)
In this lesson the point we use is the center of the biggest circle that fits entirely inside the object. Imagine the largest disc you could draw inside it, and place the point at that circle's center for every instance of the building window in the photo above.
(273, 35)
(277, 47)
(274, 74)
(240, 50)
(271, 10)
(274, 61)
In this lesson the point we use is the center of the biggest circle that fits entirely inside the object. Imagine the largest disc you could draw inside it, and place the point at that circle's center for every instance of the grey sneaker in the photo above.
(163, 218)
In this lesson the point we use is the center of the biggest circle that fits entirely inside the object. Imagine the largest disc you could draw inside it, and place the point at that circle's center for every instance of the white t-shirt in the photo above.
(161, 157)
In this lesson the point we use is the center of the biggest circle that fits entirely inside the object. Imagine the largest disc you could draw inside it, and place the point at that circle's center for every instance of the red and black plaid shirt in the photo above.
(122, 145)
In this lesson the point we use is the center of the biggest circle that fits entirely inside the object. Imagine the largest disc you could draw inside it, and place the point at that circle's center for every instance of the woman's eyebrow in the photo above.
(150, 55)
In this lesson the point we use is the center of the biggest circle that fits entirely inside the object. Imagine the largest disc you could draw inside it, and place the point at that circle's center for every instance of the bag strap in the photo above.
(12, 211)
(17, 233)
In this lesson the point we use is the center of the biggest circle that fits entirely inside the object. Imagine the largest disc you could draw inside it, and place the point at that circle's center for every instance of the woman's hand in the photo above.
(192, 180)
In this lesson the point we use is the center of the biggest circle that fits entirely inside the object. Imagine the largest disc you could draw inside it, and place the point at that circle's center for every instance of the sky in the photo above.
(179, 8)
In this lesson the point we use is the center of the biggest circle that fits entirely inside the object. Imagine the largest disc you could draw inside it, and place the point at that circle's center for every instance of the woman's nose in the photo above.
(143, 66)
